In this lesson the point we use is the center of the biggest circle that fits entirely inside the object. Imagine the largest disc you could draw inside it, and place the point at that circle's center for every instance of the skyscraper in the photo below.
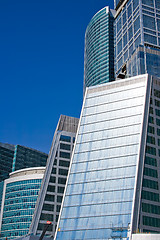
(15, 157)
(113, 185)
(20, 194)
(52, 189)
(99, 49)
(25, 157)
(137, 37)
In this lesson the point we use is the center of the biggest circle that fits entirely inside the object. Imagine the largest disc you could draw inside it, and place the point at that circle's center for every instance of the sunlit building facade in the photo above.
(113, 185)
(137, 37)
(99, 49)
(53, 185)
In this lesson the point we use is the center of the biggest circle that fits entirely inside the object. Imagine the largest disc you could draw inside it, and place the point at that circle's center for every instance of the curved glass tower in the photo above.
(20, 194)
(99, 49)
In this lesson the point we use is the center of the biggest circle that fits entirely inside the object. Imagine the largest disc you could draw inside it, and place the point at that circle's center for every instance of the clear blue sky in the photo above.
(41, 66)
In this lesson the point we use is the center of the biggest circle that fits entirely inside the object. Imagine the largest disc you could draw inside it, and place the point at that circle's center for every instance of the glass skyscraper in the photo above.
(6, 160)
(137, 37)
(20, 194)
(16, 157)
(53, 185)
(113, 185)
(99, 49)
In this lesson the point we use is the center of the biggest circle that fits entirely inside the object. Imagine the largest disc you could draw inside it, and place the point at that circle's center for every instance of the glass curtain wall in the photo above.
(99, 198)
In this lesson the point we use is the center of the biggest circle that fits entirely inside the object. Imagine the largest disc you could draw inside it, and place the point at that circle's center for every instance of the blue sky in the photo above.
(41, 66)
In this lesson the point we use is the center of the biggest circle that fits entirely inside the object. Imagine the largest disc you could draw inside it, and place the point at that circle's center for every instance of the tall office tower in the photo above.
(20, 194)
(137, 37)
(15, 157)
(51, 193)
(114, 180)
(99, 49)
(25, 157)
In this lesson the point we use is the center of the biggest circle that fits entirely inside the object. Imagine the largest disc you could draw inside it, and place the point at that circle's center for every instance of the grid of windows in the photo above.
(150, 177)
(100, 188)
(99, 53)
(138, 23)
(6, 160)
(55, 189)
(26, 157)
(19, 205)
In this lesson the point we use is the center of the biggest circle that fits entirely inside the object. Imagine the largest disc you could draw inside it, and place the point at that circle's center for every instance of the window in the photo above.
(58, 208)
(156, 93)
(62, 180)
(158, 131)
(151, 110)
(49, 198)
(150, 221)
(65, 146)
(150, 172)
(158, 112)
(150, 184)
(119, 47)
(64, 155)
(54, 170)
(158, 122)
(149, 22)
(150, 139)
(124, 17)
(130, 33)
(55, 161)
(52, 179)
(51, 188)
(60, 189)
(157, 103)
(151, 150)
(59, 199)
(47, 217)
(125, 39)
(118, 25)
(151, 120)
(65, 138)
(136, 25)
(150, 208)
(48, 207)
(64, 163)
(41, 227)
(150, 196)
(151, 161)
(63, 172)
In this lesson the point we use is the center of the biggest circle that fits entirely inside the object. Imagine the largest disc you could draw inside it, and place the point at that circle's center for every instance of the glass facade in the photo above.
(137, 25)
(6, 160)
(1, 193)
(150, 198)
(15, 157)
(19, 203)
(99, 199)
(99, 49)
(51, 194)
(51, 206)
(26, 157)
